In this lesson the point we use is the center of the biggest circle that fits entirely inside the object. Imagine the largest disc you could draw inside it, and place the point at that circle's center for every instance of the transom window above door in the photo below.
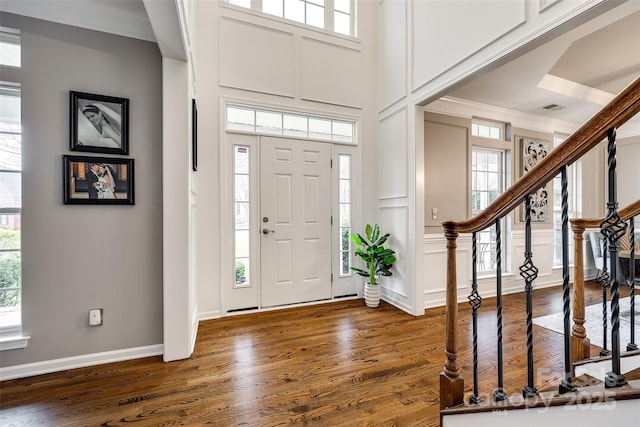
(337, 16)
(297, 125)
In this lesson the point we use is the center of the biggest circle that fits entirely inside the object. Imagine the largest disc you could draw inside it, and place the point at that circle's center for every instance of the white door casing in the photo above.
(295, 221)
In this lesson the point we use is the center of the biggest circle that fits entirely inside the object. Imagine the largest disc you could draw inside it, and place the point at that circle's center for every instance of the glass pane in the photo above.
(345, 215)
(345, 239)
(493, 183)
(242, 188)
(345, 263)
(10, 54)
(272, 7)
(10, 190)
(242, 271)
(345, 166)
(482, 181)
(242, 243)
(9, 231)
(342, 5)
(268, 122)
(242, 160)
(341, 23)
(294, 125)
(10, 130)
(240, 119)
(495, 133)
(243, 3)
(493, 162)
(475, 200)
(318, 2)
(474, 129)
(342, 131)
(315, 15)
(10, 276)
(493, 195)
(481, 161)
(345, 191)
(319, 128)
(242, 216)
(294, 10)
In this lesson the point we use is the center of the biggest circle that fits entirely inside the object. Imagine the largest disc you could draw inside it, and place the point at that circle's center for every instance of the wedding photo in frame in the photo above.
(97, 180)
(99, 123)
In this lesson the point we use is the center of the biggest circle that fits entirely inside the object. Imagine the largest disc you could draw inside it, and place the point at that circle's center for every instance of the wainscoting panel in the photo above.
(257, 58)
(394, 220)
(392, 154)
(393, 52)
(341, 71)
(443, 17)
(435, 267)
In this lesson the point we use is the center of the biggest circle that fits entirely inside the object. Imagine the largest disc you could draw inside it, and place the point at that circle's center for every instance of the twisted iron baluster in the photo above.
(567, 384)
(475, 300)
(632, 284)
(529, 272)
(603, 278)
(613, 228)
(499, 394)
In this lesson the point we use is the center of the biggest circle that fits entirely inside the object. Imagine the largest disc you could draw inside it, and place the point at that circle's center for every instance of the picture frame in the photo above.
(532, 152)
(194, 135)
(98, 123)
(97, 180)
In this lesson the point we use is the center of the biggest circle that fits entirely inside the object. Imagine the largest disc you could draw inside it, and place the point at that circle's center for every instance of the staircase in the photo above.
(601, 389)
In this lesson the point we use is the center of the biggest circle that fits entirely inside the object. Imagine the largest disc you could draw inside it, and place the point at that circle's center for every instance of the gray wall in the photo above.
(81, 257)
(446, 160)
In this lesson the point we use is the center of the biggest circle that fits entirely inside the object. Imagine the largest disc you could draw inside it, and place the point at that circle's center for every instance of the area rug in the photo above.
(593, 322)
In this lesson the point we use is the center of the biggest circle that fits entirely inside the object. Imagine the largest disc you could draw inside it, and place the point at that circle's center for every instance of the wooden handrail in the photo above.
(617, 112)
(580, 343)
(625, 214)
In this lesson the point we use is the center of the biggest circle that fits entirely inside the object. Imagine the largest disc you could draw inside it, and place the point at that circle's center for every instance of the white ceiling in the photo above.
(579, 70)
(123, 17)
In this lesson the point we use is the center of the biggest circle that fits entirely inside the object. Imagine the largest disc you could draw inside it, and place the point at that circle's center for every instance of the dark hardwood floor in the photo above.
(338, 364)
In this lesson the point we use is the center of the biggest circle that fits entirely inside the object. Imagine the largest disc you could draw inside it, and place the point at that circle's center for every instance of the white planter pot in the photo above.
(372, 295)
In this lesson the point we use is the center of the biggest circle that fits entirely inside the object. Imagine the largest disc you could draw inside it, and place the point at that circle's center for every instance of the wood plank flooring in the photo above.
(338, 364)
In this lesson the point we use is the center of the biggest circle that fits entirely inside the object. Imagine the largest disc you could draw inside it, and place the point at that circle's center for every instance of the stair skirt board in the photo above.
(597, 407)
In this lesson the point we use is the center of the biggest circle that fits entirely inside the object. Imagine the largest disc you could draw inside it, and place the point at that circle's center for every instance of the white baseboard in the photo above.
(55, 365)
(209, 315)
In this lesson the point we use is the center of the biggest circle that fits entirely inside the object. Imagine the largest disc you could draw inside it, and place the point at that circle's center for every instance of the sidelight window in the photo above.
(242, 216)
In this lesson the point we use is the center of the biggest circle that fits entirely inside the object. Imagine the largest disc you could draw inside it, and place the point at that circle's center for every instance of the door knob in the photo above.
(267, 231)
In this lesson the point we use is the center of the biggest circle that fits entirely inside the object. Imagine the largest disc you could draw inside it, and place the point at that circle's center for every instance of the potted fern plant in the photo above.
(377, 258)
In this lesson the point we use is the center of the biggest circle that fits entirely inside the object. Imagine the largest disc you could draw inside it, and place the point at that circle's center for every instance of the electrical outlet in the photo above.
(434, 213)
(95, 317)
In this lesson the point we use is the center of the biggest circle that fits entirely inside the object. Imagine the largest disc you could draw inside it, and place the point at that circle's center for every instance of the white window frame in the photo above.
(11, 335)
(329, 11)
(252, 127)
(503, 146)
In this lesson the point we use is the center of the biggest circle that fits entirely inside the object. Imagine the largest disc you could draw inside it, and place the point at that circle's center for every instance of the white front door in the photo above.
(295, 221)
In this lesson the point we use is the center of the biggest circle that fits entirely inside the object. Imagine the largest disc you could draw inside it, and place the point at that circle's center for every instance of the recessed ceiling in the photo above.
(580, 70)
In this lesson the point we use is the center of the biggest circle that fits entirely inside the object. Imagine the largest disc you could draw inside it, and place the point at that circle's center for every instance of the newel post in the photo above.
(580, 344)
(451, 383)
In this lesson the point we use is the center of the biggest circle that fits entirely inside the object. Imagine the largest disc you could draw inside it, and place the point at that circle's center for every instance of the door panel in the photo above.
(295, 200)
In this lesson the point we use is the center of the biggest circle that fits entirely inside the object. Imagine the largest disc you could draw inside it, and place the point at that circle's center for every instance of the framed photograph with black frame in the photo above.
(97, 180)
(194, 135)
(99, 123)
